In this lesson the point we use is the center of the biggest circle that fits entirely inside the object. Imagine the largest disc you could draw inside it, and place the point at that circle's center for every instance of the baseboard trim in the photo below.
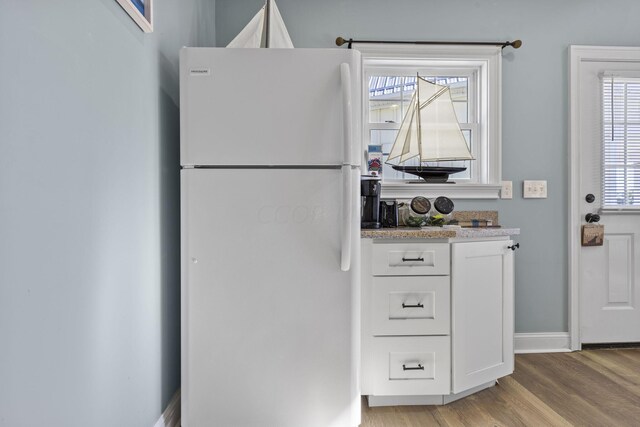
(437, 399)
(171, 416)
(375, 401)
(542, 342)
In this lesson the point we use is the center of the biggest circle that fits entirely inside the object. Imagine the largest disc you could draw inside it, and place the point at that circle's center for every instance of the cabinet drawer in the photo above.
(410, 259)
(412, 365)
(411, 305)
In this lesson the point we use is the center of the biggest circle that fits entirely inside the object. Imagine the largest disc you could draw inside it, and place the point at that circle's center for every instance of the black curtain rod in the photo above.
(515, 44)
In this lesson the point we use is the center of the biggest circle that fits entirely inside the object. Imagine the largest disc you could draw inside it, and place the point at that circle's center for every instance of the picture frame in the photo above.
(141, 11)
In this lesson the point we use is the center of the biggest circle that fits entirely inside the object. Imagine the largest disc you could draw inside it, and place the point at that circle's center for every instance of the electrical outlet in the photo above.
(534, 189)
(507, 190)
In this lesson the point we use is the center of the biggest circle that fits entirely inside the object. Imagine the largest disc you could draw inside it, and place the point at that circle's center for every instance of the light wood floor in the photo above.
(586, 388)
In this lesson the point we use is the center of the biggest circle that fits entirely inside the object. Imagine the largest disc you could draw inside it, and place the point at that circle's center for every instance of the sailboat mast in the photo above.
(267, 19)
(417, 110)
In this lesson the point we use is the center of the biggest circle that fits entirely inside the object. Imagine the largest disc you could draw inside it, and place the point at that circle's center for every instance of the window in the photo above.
(620, 142)
(388, 106)
(473, 75)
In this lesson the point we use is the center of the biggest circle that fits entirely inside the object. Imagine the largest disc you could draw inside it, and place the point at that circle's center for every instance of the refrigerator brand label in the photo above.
(291, 214)
(200, 71)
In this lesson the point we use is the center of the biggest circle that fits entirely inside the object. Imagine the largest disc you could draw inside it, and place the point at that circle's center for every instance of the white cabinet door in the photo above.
(482, 314)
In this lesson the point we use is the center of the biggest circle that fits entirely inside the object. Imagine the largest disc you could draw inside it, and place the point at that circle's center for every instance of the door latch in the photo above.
(590, 218)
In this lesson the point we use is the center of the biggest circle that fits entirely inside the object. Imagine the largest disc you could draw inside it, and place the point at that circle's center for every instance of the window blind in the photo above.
(620, 142)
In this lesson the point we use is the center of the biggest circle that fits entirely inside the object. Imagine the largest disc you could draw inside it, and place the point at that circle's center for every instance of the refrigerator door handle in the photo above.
(347, 212)
(347, 124)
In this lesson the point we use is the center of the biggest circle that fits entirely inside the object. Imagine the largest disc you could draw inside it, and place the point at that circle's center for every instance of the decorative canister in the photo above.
(440, 214)
(415, 213)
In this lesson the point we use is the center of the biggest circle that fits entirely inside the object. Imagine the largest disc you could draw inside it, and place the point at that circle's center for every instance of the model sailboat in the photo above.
(266, 29)
(431, 132)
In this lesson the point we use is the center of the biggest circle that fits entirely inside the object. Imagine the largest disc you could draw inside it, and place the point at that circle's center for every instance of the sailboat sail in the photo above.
(251, 35)
(279, 36)
(407, 144)
(266, 29)
(430, 129)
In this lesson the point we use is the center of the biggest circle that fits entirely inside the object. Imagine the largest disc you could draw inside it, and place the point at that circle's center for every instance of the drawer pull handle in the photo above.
(412, 259)
(413, 368)
(418, 305)
(514, 247)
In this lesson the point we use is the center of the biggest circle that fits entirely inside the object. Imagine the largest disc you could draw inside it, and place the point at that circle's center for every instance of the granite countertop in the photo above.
(437, 233)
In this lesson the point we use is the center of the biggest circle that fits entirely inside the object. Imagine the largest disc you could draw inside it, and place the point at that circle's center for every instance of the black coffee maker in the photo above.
(370, 194)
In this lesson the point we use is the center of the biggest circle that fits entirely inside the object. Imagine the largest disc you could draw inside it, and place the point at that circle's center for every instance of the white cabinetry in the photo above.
(482, 313)
(437, 318)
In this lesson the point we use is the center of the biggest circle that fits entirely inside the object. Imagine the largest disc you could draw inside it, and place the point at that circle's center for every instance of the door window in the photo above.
(621, 142)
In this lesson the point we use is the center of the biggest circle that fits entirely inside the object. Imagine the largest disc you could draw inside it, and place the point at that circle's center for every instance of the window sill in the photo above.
(617, 211)
(403, 190)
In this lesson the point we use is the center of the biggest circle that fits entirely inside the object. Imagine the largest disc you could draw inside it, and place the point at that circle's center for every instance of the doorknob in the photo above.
(592, 217)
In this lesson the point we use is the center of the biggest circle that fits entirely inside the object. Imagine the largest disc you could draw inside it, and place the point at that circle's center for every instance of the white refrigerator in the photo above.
(270, 176)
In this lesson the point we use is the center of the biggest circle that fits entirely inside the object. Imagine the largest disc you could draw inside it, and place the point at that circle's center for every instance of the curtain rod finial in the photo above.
(516, 44)
(340, 41)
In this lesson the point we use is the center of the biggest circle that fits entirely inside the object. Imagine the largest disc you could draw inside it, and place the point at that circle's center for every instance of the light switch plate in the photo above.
(507, 190)
(534, 189)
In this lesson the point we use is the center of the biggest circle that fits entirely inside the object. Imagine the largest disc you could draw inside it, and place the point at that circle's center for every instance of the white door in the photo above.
(482, 314)
(609, 275)
(269, 319)
(269, 106)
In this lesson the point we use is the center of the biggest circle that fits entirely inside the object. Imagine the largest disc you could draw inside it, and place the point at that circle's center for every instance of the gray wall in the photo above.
(89, 210)
(535, 101)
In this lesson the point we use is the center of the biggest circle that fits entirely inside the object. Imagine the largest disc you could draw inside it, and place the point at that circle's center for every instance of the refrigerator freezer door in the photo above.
(270, 321)
(268, 106)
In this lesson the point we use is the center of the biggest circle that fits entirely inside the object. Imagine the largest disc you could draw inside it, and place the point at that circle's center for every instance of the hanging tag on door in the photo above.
(592, 235)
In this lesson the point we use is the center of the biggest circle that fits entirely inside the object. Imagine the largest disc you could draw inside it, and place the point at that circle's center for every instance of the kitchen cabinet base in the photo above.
(439, 399)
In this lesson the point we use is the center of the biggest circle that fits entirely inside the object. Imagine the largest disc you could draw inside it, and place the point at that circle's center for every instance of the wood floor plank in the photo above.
(471, 413)
(588, 388)
(614, 365)
(490, 403)
(450, 415)
(532, 408)
(631, 354)
(495, 404)
(604, 392)
(399, 416)
(424, 416)
(554, 385)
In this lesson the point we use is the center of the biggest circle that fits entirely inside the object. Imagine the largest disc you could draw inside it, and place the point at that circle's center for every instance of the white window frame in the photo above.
(483, 61)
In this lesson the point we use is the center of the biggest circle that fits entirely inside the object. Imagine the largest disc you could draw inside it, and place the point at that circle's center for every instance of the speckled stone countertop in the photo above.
(437, 233)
